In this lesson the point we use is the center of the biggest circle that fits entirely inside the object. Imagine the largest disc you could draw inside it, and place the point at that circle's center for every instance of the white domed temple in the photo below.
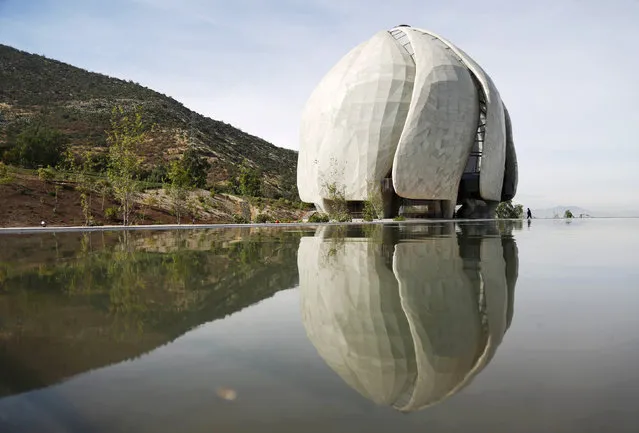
(412, 117)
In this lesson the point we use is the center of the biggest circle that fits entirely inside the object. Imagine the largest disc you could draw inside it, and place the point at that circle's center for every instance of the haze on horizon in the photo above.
(565, 70)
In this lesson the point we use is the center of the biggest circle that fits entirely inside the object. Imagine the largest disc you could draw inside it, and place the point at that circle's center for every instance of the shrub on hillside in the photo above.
(250, 181)
(111, 213)
(318, 217)
(239, 219)
(5, 175)
(263, 218)
(196, 166)
(46, 174)
(38, 145)
(158, 174)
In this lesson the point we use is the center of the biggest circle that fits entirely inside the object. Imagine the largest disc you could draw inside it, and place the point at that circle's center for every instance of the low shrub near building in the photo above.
(318, 217)
(369, 213)
(263, 218)
(343, 217)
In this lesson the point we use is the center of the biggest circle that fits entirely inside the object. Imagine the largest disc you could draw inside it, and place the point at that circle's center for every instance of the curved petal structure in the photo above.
(354, 118)
(407, 111)
(441, 126)
(317, 118)
(493, 149)
(509, 188)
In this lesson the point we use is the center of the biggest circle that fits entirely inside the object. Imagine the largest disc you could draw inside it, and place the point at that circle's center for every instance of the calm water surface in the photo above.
(480, 327)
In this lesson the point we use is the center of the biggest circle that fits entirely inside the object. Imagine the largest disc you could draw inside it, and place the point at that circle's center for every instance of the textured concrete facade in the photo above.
(407, 107)
(354, 119)
(443, 113)
(413, 330)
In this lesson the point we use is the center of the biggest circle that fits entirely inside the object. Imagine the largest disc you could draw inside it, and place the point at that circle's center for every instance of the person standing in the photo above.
(528, 213)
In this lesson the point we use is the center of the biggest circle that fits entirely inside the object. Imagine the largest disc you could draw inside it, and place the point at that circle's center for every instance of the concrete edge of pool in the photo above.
(36, 229)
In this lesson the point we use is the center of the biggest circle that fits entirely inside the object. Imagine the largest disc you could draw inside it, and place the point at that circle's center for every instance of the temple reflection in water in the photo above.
(408, 317)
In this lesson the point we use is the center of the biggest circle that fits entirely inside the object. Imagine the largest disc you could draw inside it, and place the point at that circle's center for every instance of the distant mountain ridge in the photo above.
(560, 211)
(577, 211)
(78, 103)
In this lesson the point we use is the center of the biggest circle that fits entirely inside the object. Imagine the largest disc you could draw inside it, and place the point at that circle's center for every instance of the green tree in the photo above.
(506, 210)
(250, 181)
(5, 175)
(178, 188)
(103, 188)
(158, 174)
(124, 138)
(196, 166)
(38, 145)
(374, 204)
(337, 205)
(335, 193)
(519, 211)
(288, 185)
(368, 212)
(46, 174)
(568, 214)
(81, 172)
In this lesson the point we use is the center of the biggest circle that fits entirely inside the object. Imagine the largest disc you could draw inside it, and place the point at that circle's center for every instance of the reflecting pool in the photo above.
(405, 327)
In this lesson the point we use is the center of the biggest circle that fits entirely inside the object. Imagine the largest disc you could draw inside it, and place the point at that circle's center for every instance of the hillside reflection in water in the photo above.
(76, 302)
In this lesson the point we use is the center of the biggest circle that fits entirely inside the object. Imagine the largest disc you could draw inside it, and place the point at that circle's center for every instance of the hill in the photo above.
(78, 103)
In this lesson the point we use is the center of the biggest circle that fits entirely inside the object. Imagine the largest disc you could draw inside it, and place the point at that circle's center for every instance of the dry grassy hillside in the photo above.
(77, 105)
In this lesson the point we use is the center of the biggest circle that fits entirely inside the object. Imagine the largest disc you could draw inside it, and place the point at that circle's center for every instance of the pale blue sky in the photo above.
(567, 69)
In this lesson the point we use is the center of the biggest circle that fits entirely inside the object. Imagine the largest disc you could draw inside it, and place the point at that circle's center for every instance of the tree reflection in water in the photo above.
(74, 302)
